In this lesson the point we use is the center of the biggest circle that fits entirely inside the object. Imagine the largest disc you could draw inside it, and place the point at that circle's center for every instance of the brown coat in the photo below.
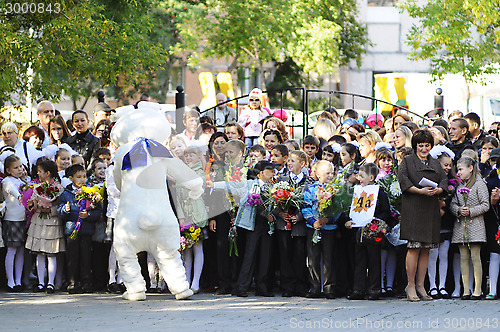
(420, 217)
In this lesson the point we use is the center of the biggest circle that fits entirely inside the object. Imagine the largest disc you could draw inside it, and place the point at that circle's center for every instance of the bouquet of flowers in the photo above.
(190, 235)
(452, 186)
(464, 191)
(87, 198)
(374, 230)
(45, 194)
(333, 199)
(497, 236)
(254, 199)
(284, 196)
(390, 185)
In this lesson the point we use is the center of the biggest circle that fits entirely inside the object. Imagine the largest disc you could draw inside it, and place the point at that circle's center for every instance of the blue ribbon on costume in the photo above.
(138, 156)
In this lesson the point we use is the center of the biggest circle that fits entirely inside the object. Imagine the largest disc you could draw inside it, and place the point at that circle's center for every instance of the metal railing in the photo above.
(305, 104)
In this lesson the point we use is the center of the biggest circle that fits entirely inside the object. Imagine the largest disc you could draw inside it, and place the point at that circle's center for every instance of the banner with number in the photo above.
(364, 201)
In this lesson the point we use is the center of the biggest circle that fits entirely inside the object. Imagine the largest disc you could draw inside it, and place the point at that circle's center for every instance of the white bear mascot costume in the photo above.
(145, 220)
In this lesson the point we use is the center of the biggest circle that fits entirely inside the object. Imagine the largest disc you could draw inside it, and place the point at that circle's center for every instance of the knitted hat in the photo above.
(256, 92)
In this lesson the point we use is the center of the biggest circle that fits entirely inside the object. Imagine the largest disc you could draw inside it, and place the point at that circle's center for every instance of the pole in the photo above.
(305, 114)
(180, 103)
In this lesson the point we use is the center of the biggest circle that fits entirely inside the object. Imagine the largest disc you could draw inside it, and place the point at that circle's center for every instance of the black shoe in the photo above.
(264, 293)
(10, 289)
(223, 291)
(50, 289)
(113, 288)
(330, 296)
(476, 297)
(314, 295)
(17, 289)
(444, 294)
(122, 288)
(389, 292)
(73, 289)
(374, 296)
(466, 297)
(241, 294)
(356, 295)
(286, 294)
(152, 290)
(38, 289)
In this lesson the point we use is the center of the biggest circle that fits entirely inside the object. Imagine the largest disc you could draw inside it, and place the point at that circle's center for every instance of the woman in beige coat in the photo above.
(469, 230)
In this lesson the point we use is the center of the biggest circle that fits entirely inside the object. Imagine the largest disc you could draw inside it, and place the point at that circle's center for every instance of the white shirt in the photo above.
(296, 178)
(13, 210)
(33, 154)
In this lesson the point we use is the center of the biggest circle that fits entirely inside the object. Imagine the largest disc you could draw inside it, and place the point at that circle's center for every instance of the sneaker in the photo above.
(491, 297)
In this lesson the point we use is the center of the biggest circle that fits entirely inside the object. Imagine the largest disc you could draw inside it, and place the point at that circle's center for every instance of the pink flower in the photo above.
(373, 227)
(464, 191)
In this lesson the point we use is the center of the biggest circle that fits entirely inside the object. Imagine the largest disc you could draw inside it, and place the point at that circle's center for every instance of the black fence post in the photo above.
(438, 100)
(305, 113)
(180, 103)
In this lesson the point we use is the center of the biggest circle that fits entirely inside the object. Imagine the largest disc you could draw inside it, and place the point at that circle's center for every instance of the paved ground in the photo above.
(206, 312)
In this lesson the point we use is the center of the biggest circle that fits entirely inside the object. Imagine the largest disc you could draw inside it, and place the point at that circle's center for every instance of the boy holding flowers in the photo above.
(256, 225)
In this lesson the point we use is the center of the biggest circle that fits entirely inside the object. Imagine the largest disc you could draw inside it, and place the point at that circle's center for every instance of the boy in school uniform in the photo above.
(279, 155)
(255, 223)
(78, 250)
(321, 255)
(291, 232)
(310, 146)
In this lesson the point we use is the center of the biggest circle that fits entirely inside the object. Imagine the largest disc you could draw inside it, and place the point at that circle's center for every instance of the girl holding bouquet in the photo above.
(45, 235)
(14, 222)
(469, 204)
(192, 212)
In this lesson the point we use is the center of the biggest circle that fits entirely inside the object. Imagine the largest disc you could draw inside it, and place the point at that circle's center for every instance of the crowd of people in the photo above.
(440, 210)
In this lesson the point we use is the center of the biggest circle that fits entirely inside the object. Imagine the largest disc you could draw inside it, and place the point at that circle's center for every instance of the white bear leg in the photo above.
(130, 272)
(170, 264)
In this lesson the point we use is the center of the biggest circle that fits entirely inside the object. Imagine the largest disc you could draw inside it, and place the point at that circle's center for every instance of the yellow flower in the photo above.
(191, 229)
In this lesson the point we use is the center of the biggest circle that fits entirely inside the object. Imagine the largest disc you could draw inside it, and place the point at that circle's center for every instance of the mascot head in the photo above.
(143, 122)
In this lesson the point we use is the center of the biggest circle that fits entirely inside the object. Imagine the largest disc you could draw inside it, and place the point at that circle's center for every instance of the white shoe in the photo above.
(184, 295)
(141, 296)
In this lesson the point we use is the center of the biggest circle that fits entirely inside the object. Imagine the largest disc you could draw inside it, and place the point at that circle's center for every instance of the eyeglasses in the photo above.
(254, 99)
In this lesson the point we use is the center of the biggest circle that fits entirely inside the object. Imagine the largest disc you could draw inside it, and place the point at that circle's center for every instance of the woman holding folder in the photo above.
(422, 180)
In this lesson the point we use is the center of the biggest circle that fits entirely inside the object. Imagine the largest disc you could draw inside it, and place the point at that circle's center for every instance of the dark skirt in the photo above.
(14, 233)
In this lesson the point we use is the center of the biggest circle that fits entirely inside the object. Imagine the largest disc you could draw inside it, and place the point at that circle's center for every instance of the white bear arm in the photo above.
(185, 176)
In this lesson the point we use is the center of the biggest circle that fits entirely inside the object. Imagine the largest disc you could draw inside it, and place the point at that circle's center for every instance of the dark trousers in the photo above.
(258, 243)
(293, 269)
(227, 265)
(100, 261)
(78, 253)
(367, 256)
(324, 250)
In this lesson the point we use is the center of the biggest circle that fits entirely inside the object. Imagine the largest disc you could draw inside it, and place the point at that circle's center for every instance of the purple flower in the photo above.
(464, 191)
(451, 188)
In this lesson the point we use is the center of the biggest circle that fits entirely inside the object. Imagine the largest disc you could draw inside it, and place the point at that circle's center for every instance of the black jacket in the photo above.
(85, 144)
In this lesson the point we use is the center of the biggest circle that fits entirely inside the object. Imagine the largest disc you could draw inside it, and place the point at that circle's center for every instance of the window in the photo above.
(382, 3)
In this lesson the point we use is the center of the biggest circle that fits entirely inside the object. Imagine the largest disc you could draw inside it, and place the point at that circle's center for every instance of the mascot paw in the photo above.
(184, 295)
(141, 296)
